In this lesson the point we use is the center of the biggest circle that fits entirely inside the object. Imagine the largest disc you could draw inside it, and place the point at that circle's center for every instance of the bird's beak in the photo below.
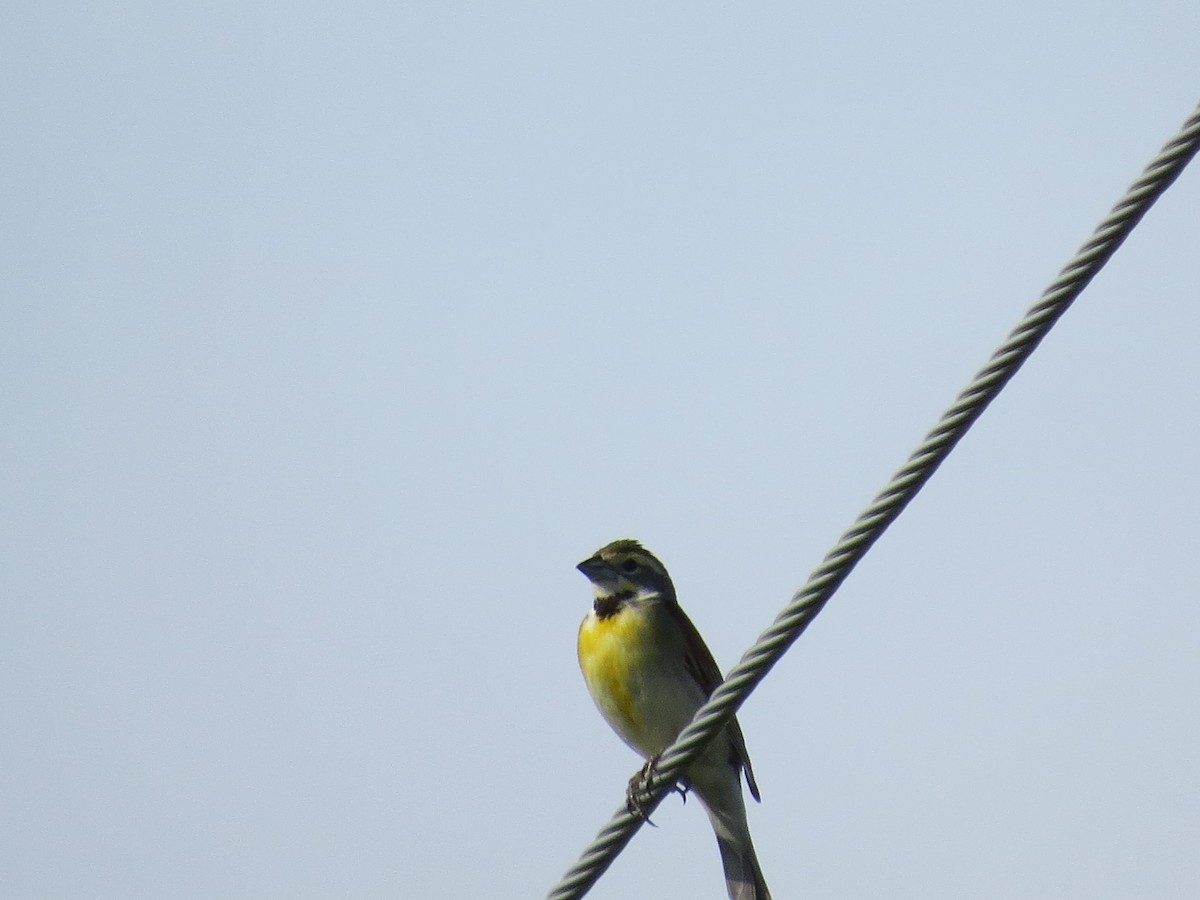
(593, 567)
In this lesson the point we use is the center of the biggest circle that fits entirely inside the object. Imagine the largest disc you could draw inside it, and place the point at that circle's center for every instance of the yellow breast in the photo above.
(612, 655)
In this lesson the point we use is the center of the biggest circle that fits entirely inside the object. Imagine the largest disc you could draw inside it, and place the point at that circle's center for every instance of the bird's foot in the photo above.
(637, 792)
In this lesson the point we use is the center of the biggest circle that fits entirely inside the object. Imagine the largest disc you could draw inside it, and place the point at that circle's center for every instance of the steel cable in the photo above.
(904, 485)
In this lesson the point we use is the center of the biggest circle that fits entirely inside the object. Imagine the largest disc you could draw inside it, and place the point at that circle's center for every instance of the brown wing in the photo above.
(704, 669)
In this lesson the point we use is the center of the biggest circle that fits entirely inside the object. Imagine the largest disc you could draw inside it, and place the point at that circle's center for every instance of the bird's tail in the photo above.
(727, 813)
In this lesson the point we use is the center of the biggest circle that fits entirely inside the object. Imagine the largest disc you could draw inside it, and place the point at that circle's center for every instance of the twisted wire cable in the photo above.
(904, 485)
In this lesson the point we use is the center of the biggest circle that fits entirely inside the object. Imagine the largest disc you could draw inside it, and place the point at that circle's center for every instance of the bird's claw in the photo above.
(637, 791)
(682, 787)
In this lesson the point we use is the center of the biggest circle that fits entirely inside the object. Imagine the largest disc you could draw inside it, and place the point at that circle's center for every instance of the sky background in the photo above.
(334, 336)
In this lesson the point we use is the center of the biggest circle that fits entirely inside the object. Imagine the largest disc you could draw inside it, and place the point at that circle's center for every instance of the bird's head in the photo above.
(625, 571)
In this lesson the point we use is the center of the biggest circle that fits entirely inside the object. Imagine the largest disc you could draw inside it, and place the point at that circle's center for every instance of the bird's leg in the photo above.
(635, 793)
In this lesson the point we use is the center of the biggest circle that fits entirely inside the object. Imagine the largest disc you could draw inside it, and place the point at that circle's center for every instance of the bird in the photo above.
(648, 671)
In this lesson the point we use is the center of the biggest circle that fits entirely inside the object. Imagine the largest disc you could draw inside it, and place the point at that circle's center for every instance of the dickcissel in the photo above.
(648, 671)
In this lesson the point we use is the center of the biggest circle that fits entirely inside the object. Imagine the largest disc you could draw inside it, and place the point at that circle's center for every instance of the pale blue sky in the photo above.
(334, 336)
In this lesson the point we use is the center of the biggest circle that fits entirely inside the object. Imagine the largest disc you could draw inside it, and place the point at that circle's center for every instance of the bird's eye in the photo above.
(630, 566)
